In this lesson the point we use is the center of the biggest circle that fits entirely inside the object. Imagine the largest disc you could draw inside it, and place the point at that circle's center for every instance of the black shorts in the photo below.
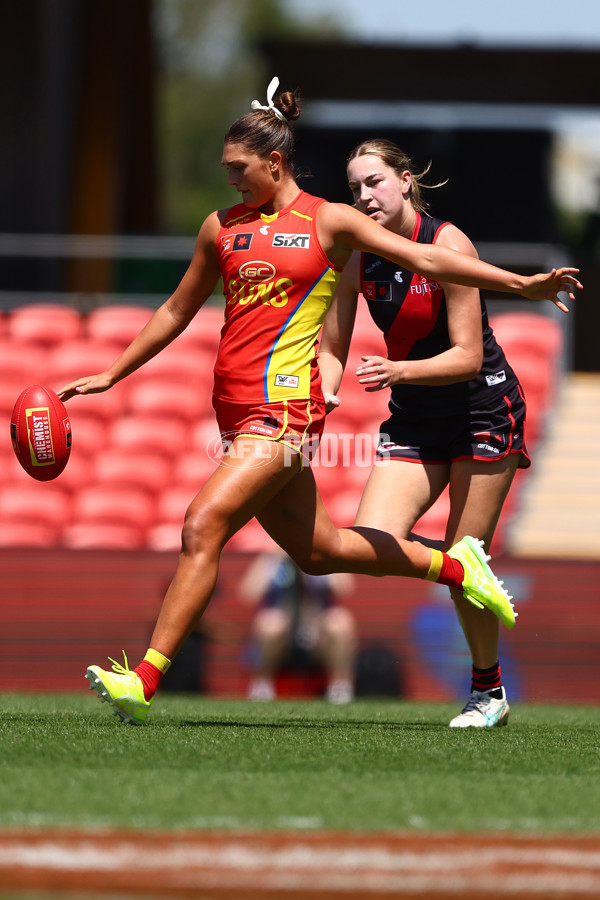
(478, 434)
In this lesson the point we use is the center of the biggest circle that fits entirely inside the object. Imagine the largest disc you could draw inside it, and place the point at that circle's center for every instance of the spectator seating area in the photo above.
(143, 449)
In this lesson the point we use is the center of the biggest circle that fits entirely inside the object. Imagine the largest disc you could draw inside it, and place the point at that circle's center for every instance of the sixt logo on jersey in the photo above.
(301, 241)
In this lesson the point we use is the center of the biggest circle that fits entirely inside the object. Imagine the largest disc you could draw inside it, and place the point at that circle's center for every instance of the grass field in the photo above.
(367, 767)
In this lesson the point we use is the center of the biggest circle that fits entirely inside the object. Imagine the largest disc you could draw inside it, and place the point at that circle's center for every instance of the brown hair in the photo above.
(262, 131)
(397, 160)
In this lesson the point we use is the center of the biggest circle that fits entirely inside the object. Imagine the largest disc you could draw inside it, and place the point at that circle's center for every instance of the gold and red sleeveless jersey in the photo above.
(278, 286)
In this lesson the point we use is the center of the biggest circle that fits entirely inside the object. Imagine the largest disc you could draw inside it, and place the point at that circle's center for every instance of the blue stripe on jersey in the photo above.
(284, 326)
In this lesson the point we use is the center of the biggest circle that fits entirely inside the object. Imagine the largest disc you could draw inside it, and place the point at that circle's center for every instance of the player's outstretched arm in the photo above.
(342, 229)
(168, 321)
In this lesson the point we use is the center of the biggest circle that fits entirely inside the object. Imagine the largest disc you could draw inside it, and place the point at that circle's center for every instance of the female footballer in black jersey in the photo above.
(457, 411)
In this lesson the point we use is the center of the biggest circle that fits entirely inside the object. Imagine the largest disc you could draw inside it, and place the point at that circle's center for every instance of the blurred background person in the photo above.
(300, 625)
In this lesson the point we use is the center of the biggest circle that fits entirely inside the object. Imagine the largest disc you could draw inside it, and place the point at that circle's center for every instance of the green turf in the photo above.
(376, 765)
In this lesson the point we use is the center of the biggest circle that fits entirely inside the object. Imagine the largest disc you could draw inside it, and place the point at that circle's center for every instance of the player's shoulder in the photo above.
(449, 235)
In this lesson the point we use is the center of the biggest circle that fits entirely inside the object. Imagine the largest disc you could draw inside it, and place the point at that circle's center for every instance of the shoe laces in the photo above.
(476, 700)
(118, 668)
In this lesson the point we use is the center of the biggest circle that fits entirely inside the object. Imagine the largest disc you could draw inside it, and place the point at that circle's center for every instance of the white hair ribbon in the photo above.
(273, 85)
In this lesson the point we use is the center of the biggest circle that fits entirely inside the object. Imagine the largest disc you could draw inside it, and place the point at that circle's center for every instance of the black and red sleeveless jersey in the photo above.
(411, 312)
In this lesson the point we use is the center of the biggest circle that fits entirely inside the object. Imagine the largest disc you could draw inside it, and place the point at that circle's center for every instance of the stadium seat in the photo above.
(163, 434)
(206, 436)
(172, 504)
(164, 537)
(46, 504)
(204, 330)
(176, 400)
(75, 359)
(114, 505)
(27, 534)
(103, 536)
(76, 474)
(529, 334)
(116, 324)
(45, 324)
(252, 538)
(89, 431)
(181, 364)
(21, 366)
(432, 524)
(126, 467)
(193, 469)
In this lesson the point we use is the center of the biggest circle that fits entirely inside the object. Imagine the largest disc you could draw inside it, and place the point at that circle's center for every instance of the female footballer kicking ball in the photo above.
(280, 253)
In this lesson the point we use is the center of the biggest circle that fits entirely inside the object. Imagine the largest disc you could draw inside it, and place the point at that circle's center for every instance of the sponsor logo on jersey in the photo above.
(287, 381)
(425, 287)
(257, 270)
(369, 269)
(243, 241)
(398, 276)
(300, 241)
(377, 290)
(489, 448)
(497, 378)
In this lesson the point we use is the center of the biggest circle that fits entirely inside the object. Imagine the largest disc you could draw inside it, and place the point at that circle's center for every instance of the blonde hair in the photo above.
(397, 160)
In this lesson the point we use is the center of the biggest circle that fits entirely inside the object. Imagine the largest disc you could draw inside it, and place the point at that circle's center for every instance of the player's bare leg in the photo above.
(477, 493)
(249, 476)
(298, 521)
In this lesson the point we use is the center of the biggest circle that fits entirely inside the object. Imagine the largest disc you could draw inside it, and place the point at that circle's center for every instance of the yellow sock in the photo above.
(435, 566)
(157, 659)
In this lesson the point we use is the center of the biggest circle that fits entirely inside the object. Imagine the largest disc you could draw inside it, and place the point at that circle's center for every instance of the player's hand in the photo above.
(377, 373)
(332, 401)
(549, 285)
(90, 384)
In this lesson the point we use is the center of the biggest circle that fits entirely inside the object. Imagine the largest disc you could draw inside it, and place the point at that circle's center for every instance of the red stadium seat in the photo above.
(180, 365)
(76, 474)
(163, 434)
(193, 469)
(121, 467)
(113, 505)
(88, 430)
(433, 523)
(172, 504)
(529, 334)
(116, 324)
(36, 503)
(45, 324)
(103, 536)
(252, 538)
(177, 400)
(204, 330)
(74, 359)
(27, 534)
(21, 365)
(164, 537)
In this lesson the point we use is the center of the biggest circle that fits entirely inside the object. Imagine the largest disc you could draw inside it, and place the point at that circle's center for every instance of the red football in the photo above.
(41, 433)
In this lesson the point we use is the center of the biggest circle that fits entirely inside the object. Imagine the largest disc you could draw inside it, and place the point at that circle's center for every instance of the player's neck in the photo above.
(285, 194)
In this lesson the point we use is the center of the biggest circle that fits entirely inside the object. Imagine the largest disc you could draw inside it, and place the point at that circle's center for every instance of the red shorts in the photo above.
(298, 424)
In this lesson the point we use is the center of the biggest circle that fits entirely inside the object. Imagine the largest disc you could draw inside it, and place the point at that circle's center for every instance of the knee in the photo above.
(203, 531)
(270, 625)
(339, 624)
